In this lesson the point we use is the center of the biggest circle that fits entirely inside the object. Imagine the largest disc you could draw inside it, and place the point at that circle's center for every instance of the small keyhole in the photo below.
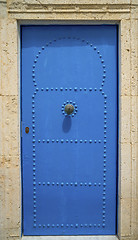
(27, 129)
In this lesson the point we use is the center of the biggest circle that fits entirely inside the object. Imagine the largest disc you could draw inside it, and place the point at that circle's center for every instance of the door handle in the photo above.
(69, 108)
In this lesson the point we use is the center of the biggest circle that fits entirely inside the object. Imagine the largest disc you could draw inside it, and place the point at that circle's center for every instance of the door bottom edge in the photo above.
(95, 237)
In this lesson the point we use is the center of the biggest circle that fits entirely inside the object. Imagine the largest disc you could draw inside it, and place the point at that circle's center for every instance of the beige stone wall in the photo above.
(14, 12)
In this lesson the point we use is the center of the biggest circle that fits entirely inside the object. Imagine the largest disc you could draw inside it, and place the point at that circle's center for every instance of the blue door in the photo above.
(69, 129)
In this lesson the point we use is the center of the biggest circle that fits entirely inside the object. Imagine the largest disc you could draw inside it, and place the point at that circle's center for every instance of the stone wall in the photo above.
(12, 14)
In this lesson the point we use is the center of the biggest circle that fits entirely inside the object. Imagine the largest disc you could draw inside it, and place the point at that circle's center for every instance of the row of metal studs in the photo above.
(91, 45)
(69, 184)
(71, 141)
(68, 89)
(69, 225)
(104, 159)
(66, 115)
(34, 161)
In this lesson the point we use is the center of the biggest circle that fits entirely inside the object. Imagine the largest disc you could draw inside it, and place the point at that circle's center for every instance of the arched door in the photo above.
(69, 150)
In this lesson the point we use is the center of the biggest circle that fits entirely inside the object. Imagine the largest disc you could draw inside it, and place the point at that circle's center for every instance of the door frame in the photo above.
(12, 15)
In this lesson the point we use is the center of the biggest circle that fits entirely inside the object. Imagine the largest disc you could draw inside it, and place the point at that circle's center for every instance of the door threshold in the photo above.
(109, 237)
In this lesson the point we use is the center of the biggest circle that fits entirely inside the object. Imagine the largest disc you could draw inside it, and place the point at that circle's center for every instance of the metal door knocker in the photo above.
(69, 108)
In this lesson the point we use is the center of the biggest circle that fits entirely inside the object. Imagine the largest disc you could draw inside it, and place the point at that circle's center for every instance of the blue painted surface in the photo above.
(69, 162)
